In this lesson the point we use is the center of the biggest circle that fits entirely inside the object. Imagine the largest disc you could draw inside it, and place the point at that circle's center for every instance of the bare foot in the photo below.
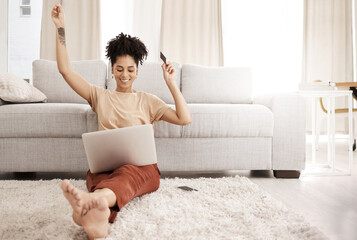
(76, 198)
(94, 218)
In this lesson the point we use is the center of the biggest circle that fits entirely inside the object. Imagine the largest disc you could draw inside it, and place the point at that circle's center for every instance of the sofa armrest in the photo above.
(289, 135)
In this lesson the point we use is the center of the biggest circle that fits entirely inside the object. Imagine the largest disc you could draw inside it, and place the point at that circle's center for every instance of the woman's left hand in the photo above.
(169, 72)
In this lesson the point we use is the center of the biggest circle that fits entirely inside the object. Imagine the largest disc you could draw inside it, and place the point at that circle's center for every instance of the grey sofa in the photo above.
(230, 130)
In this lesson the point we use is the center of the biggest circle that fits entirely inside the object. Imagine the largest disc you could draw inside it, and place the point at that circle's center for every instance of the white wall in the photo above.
(3, 35)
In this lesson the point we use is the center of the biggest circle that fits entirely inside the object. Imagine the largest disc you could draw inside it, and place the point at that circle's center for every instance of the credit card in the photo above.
(162, 56)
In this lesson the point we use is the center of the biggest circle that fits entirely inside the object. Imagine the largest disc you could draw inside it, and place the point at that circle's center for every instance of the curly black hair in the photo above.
(124, 44)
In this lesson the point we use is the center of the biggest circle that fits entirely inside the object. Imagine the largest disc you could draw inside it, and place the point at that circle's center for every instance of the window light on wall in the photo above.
(25, 8)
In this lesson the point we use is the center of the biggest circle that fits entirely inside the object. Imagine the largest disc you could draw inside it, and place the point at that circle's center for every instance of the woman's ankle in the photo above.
(108, 194)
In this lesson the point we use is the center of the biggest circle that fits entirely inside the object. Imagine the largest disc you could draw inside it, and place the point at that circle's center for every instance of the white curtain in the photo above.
(191, 31)
(328, 41)
(354, 38)
(83, 34)
(266, 36)
(3, 36)
(328, 48)
(147, 24)
(113, 23)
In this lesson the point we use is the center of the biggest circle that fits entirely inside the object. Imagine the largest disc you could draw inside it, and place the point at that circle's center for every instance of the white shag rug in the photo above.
(222, 208)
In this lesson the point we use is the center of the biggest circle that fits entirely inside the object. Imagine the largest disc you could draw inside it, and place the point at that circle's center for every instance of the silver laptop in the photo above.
(110, 149)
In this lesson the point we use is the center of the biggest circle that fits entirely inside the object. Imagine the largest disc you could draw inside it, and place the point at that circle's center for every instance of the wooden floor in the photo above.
(328, 202)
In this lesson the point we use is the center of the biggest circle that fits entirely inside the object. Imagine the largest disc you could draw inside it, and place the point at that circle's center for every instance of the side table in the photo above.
(329, 168)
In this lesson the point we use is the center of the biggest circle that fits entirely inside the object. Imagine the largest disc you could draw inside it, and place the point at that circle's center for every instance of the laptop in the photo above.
(110, 149)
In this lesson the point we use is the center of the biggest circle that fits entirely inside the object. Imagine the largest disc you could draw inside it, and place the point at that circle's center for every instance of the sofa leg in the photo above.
(286, 173)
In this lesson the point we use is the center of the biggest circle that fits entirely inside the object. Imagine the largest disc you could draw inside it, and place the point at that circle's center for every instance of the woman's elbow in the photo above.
(186, 122)
(63, 72)
(63, 69)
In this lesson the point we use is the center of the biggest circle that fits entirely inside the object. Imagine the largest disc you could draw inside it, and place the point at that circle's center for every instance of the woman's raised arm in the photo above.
(74, 80)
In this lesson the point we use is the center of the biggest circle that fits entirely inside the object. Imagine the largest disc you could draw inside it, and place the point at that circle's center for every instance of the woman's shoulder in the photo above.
(97, 88)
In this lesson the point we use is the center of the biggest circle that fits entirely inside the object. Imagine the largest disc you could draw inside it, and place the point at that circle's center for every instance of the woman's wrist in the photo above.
(171, 83)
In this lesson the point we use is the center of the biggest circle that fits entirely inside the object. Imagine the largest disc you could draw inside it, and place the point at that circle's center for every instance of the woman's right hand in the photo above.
(57, 15)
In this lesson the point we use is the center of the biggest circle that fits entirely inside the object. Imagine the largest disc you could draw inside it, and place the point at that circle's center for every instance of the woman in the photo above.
(110, 191)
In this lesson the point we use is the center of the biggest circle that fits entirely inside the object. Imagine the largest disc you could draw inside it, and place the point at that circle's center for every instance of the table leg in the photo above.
(313, 129)
(333, 129)
(350, 129)
(328, 130)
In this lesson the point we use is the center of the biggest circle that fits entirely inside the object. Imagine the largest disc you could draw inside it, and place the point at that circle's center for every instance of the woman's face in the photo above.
(125, 71)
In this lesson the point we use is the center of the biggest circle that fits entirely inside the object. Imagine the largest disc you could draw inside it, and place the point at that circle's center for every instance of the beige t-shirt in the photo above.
(116, 109)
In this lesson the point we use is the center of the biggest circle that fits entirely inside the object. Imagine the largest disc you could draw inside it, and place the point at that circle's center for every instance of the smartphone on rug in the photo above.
(185, 188)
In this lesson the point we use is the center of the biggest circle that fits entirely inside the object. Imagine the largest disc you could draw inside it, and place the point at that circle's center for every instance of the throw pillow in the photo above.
(17, 90)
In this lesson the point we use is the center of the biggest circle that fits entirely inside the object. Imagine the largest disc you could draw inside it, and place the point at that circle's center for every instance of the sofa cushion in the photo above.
(150, 79)
(44, 120)
(60, 120)
(48, 80)
(229, 120)
(201, 84)
(162, 129)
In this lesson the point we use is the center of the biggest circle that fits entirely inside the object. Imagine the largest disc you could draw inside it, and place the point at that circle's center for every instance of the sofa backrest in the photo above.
(48, 80)
(202, 84)
(150, 79)
(198, 84)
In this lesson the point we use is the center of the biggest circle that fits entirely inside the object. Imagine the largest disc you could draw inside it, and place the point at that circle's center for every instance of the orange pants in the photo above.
(127, 182)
